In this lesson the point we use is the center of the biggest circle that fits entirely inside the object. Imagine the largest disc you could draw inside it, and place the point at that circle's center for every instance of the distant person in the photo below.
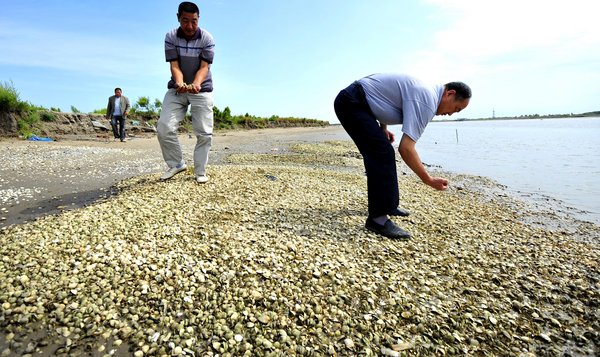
(189, 51)
(366, 108)
(117, 111)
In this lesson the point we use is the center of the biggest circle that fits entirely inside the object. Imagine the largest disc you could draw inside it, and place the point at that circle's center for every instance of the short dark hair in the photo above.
(463, 91)
(187, 6)
(116, 89)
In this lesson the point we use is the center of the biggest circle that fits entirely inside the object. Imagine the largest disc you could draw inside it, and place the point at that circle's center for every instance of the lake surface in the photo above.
(538, 159)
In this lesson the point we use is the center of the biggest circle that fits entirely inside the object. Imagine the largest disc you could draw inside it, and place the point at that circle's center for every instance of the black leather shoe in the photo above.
(399, 212)
(389, 229)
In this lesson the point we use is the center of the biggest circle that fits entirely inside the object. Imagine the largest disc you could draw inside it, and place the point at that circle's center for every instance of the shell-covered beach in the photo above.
(271, 257)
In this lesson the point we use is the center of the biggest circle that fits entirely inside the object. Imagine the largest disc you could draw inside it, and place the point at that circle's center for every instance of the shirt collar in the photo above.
(181, 35)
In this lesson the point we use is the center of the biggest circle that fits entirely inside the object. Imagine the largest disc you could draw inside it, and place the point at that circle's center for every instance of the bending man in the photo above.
(366, 108)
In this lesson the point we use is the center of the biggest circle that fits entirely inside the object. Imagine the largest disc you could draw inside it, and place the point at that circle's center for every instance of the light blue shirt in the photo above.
(117, 111)
(402, 99)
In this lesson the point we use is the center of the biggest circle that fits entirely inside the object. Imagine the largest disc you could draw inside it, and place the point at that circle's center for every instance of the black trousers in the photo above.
(354, 114)
(118, 127)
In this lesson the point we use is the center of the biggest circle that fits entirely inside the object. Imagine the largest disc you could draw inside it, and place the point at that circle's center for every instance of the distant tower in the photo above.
(493, 112)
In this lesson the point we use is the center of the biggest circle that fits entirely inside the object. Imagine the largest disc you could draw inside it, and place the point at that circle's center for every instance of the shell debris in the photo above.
(248, 265)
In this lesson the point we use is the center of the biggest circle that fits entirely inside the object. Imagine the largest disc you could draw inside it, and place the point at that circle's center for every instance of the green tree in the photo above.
(145, 108)
(223, 119)
(143, 104)
(216, 113)
(227, 114)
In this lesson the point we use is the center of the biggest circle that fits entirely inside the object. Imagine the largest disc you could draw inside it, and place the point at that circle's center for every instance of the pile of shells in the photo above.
(337, 155)
(270, 258)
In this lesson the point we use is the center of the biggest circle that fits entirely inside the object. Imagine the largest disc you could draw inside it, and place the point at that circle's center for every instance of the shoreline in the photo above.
(271, 256)
(593, 116)
(79, 184)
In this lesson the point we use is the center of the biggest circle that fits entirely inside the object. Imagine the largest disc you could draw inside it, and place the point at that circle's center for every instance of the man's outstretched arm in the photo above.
(409, 154)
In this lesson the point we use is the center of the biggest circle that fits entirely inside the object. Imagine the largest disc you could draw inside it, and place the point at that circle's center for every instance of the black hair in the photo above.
(116, 89)
(463, 91)
(187, 6)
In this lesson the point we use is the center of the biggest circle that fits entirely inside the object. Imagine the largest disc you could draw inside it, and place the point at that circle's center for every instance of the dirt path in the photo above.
(40, 178)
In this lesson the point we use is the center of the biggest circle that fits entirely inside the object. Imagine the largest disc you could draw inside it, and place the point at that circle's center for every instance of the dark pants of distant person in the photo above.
(118, 126)
(354, 114)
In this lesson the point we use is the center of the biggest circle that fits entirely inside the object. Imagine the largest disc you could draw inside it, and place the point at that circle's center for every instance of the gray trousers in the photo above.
(174, 108)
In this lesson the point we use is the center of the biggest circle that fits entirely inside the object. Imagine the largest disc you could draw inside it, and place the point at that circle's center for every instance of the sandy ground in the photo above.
(41, 178)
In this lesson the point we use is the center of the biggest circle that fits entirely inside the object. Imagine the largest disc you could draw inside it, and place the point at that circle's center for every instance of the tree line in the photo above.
(149, 111)
(144, 109)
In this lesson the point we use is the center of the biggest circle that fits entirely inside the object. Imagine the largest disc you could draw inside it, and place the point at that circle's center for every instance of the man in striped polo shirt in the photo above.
(189, 50)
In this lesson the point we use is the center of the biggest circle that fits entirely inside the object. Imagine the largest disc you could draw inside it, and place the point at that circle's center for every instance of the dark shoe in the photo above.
(389, 229)
(399, 212)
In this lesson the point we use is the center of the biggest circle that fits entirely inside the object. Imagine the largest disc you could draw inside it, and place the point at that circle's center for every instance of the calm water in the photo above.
(555, 158)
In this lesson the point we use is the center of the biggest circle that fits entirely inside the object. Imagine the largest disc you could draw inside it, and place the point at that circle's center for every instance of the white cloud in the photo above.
(513, 49)
(480, 28)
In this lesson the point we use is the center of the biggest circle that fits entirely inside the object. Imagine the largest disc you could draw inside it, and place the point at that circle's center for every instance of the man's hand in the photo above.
(389, 135)
(411, 158)
(188, 88)
(439, 183)
(194, 87)
(181, 88)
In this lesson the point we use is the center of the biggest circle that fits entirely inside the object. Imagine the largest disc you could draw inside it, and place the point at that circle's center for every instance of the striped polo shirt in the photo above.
(189, 53)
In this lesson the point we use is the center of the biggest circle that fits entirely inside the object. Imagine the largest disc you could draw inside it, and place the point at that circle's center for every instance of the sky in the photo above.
(291, 58)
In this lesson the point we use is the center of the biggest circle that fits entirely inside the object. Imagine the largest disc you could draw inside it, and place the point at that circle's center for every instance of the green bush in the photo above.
(28, 126)
(225, 120)
(47, 116)
(9, 99)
